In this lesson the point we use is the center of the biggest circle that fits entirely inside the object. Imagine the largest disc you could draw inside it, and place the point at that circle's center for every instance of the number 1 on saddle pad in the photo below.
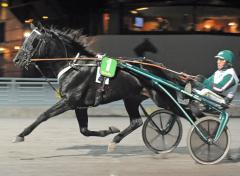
(108, 67)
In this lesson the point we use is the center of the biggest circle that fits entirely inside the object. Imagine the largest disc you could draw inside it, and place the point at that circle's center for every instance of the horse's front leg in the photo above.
(131, 106)
(56, 109)
(82, 117)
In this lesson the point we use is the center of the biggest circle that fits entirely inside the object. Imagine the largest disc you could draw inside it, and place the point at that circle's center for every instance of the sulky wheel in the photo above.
(208, 152)
(162, 131)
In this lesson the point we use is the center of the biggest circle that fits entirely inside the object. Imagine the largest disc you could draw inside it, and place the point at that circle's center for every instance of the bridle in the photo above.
(28, 49)
(38, 39)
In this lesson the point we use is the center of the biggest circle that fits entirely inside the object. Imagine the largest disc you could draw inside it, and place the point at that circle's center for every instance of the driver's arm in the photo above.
(227, 82)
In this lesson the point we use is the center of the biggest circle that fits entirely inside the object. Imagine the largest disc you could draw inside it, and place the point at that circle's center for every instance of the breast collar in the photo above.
(74, 65)
(63, 71)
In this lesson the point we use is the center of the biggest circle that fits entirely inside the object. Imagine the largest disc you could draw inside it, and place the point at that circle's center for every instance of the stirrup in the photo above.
(185, 99)
(188, 88)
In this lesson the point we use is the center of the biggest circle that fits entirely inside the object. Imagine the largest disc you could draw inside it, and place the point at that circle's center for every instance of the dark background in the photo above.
(87, 14)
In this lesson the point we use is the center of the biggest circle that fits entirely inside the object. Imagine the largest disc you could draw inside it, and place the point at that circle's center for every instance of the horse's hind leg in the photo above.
(82, 117)
(131, 106)
(56, 109)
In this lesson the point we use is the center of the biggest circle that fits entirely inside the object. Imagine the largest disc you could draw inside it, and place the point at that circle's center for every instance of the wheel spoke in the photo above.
(208, 127)
(164, 142)
(214, 131)
(152, 127)
(158, 131)
(155, 126)
(160, 120)
(171, 135)
(208, 153)
(154, 138)
(171, 122)
(220, 148)
(199, 147)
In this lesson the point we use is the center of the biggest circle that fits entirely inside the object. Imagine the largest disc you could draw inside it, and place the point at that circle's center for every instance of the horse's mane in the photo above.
(75, 35)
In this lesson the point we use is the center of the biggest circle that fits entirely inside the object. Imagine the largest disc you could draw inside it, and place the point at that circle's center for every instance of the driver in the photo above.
(222, 85)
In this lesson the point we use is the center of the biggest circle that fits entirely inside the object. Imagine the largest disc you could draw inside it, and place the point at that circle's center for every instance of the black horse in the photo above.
(77, 81)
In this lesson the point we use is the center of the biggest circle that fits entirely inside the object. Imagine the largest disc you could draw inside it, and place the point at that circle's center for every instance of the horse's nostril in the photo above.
(15, 60)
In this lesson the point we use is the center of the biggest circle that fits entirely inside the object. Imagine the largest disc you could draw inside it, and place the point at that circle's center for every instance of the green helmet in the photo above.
(226, 55)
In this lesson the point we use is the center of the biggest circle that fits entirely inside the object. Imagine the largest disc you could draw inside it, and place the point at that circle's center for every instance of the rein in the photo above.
(182, 75)
(49, 83)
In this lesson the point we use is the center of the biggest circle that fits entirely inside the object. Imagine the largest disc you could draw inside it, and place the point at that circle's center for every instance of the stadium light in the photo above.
(4, 3)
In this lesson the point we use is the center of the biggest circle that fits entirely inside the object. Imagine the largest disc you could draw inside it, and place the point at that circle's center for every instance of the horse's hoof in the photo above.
(18, 139)
(114, 129)
(112, 146)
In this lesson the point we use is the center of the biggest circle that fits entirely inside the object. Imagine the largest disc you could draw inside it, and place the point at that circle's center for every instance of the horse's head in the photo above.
(48, 43)
(31, 47)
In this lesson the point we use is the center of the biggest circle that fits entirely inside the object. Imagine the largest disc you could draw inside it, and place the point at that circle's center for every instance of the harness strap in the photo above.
(99, 92)
(63, 71)
(73, 66)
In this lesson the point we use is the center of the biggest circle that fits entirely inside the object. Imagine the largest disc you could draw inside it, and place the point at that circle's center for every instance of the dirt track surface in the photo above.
(56, 148)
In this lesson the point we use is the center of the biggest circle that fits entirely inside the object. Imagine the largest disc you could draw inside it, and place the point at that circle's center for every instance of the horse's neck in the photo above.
(55, 66)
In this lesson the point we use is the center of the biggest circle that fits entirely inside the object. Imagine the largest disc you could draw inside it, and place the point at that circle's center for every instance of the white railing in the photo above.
(27, 92)
(36, 91)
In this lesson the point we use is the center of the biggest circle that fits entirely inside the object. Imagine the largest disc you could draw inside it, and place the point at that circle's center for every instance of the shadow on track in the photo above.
(101, 150)
(126, 151)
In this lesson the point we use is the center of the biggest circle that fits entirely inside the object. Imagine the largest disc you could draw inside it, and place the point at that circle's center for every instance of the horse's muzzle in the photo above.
(21, 59)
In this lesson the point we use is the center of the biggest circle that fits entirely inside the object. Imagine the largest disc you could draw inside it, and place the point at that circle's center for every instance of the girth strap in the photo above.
(100, 91)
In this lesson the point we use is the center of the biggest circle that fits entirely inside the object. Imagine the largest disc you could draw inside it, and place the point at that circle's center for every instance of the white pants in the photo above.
(211, 95)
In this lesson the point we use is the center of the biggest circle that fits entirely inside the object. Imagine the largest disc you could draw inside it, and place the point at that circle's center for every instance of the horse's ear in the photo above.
(36, 24)
(32, 26)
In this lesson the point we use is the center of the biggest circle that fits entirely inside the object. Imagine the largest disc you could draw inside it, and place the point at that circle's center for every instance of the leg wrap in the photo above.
(136, 123)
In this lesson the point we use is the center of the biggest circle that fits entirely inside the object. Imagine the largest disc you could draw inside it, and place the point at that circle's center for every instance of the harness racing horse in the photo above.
(77, 84)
